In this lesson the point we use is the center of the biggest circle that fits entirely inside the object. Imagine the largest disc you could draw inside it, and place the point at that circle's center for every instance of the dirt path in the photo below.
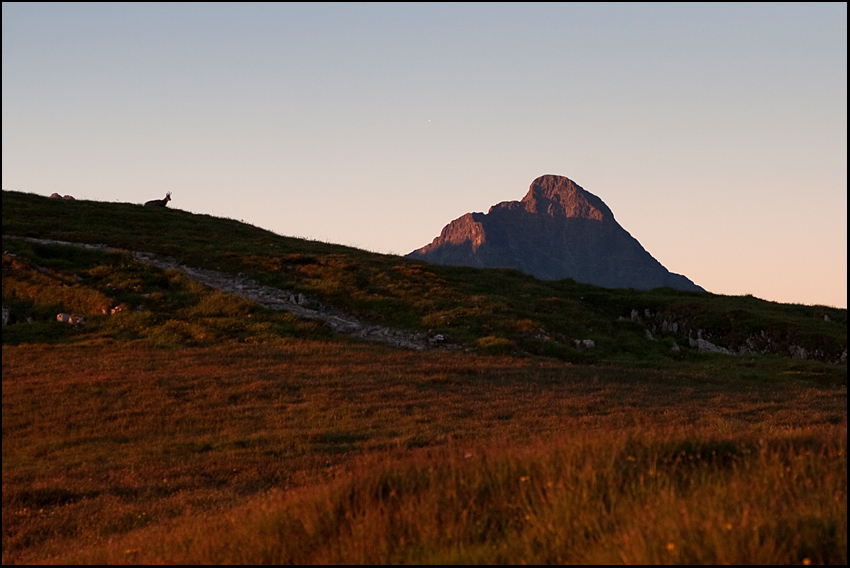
(277, 299)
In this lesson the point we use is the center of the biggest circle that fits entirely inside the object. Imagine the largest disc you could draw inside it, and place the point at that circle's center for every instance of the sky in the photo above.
(716, 133)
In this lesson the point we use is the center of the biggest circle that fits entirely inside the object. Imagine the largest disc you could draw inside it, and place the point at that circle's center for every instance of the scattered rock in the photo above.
(436, 339)
(798, 352)
(118, 308)
(76, 321)
(705, 346)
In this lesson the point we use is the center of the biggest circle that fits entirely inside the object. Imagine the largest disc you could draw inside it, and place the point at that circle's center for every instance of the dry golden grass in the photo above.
(308, 451)
(596, 497)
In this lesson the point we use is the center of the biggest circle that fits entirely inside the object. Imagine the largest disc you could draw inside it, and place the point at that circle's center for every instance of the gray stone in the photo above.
(709, 347)
(798, 352)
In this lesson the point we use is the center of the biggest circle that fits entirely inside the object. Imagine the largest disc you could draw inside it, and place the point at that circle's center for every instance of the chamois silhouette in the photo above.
(159, 202)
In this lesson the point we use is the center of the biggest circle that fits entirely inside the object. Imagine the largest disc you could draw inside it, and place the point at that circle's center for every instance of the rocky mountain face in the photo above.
(557, 231)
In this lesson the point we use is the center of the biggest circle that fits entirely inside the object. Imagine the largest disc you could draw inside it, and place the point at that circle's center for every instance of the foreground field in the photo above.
(317, 451)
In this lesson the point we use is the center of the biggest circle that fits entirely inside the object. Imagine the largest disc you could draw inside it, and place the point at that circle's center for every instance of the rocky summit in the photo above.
(559, 230)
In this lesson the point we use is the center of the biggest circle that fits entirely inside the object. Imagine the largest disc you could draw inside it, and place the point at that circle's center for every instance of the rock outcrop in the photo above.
(557, 231)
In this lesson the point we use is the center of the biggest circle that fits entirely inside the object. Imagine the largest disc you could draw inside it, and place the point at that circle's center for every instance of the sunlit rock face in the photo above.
(558, 230)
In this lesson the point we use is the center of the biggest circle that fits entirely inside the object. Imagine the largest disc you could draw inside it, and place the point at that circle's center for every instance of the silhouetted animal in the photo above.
(159, 202)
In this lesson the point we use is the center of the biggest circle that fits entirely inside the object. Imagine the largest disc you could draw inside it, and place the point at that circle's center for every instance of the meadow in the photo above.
(306, 451)
(204, 429)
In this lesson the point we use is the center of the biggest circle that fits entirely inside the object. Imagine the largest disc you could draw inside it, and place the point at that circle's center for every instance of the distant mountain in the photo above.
(557, 231)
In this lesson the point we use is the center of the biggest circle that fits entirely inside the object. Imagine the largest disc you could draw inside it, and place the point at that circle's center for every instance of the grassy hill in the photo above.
(499, 310)
(204, 428)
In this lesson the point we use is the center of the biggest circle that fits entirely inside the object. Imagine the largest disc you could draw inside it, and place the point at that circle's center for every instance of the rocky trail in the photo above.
(278, 300)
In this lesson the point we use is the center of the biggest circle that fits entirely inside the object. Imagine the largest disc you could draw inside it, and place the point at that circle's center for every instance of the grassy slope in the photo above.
(207, 430)
(500, 309)
(307, 451)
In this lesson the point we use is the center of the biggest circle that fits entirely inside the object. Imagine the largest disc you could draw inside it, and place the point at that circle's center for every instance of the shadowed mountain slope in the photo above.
(557, 231)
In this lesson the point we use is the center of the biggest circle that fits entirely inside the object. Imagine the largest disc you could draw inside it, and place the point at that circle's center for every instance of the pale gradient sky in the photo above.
(717, 134)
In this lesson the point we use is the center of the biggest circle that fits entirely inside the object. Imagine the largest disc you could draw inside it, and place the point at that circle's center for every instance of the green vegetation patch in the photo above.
(121, 299)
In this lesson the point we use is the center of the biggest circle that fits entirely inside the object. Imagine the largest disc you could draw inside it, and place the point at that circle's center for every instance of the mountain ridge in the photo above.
(558, 230)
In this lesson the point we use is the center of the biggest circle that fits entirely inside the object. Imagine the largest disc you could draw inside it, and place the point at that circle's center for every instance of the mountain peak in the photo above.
(559, 196)
(558, 230)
